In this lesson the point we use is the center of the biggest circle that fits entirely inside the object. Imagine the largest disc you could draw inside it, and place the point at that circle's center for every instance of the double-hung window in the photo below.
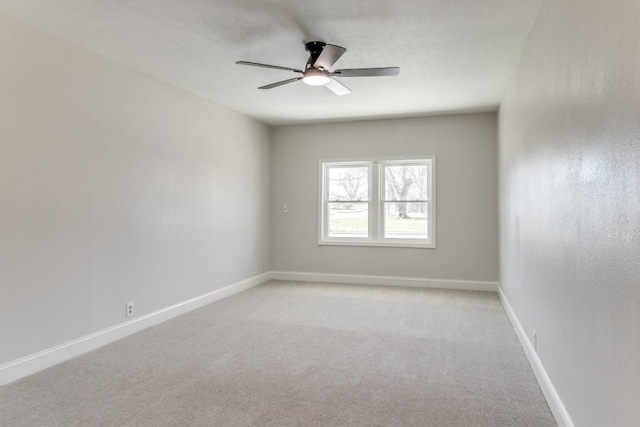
(378, 203)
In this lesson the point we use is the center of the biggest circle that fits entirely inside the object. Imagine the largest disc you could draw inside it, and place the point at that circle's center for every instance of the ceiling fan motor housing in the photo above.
(314, 49)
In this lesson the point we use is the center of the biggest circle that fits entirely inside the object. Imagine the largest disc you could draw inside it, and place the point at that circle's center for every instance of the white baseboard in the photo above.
(414, 282)
(33, 363)
(551, 395)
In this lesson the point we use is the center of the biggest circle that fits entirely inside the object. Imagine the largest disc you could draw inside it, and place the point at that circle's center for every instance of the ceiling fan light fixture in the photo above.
(316, 80)
(314, 77)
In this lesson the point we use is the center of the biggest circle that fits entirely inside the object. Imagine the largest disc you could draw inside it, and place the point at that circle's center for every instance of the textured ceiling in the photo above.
(454, 55)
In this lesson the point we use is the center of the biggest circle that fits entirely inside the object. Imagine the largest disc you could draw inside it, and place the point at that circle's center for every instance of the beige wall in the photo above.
(465, 146)
(115, 187)
(570, 203)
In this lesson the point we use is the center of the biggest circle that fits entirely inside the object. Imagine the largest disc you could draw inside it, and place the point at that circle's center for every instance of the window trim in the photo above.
(376, 205)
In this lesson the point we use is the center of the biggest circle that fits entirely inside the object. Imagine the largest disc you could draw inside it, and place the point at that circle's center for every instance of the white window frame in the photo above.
(376, 204)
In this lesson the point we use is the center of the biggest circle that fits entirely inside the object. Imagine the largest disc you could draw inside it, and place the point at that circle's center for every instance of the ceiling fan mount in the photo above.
(322, 57)
(314, 49)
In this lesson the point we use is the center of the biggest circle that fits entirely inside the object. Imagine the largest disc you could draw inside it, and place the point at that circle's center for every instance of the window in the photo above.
(378, 203)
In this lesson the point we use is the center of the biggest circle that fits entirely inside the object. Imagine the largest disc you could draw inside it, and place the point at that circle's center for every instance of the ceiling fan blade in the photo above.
(284, 82)
(329, 55)
(275, 67)
(337, 87)
(367, 72)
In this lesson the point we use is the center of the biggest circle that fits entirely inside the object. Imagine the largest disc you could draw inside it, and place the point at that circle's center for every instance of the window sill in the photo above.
(377, 244)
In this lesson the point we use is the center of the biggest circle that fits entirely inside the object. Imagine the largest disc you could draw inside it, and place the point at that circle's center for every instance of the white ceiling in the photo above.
(454, 55)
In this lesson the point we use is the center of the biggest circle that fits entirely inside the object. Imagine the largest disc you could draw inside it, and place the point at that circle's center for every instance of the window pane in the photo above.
(406, 182)
(349, 220)
(349, 183)
(405, 220)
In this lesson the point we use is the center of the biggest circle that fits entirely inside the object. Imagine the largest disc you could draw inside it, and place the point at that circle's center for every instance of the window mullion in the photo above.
(371, 201)
(374, 201)
(381, 199)
(325, 202)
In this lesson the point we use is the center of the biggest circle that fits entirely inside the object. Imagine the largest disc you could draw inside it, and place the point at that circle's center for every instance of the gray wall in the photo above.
(570, 203)
(115, 187)
(465, 146)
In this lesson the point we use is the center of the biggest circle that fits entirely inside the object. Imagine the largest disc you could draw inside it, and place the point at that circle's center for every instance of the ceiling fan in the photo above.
(322, 56)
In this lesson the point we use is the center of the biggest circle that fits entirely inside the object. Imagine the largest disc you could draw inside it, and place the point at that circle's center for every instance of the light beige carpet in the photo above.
(294, 354)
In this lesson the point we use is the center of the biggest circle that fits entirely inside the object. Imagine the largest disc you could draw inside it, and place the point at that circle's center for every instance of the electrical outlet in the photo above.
(255, 269)
(129, 309)
(535, 341)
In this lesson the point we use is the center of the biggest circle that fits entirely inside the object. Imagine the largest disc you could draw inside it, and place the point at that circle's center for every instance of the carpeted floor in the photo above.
(300, 354)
